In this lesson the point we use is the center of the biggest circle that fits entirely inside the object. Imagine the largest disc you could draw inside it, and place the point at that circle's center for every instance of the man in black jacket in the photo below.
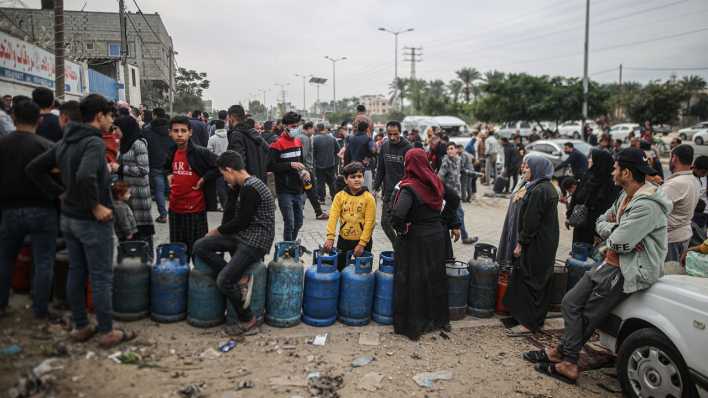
(324, 151)
(188, 168)
(200, 131)
(246, 141)
(390, 172)
(26, 209)
(576, 160)
(86, 221)
(512, 163)
(159, 145)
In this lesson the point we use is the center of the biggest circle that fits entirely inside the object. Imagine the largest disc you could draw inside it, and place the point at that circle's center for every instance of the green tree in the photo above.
(189, 87)
(699, 108)
(416, 91)
(257, 109)
(691, 85)
(397, 89)
(468, 76)
(454, 87)
(657, 102)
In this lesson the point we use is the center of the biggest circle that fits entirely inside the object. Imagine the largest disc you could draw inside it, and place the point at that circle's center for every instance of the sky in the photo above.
(246, 46)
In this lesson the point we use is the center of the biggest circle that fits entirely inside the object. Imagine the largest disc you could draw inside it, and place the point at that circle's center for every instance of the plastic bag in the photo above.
(697, 264)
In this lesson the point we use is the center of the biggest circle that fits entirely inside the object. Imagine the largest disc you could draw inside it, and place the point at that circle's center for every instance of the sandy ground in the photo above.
(482, 360)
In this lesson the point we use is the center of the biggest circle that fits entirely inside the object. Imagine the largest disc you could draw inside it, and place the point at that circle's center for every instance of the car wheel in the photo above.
(576, 135)
(682, 136)
(699, 141)
(648, 365)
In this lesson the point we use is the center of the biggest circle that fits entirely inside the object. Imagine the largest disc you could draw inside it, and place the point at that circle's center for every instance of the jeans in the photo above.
(90, 245)
(159, 186)
(512, 175)
(586, 306)
(209, 249)
(314, 201)
(325, 178)
(461, 218)
(465, 185)
(386, 211)
(676, 250)
(490, 168)
(291, 207)
(368, 179)
(222, 191)
(41, 224)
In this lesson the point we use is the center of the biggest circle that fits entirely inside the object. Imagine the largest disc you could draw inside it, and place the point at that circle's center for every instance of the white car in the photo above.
(688, 132)
(700, 137)
(574, 129)
(622, 130)
(660, 337)
(510, 129)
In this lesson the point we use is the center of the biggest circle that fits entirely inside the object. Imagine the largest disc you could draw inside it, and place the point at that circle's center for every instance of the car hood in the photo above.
(687, 129)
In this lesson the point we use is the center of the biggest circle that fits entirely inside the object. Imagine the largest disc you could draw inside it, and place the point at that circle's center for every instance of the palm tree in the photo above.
(397, 88)
(692, 85)
(416, 92)
(455, 88)
(468, 77)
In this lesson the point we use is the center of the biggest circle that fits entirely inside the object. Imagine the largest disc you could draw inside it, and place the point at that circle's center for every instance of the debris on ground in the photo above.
(90, 355)
(192, 391)
(287, 381)
(362, 361)
(227, 346)
(371, 381)
(246, 384)
(47, 366)
(126, 358)
(369, 338)
(312, 375)
(320, 339)
(10, 350)
(426, 379)
(210, 353)
(325, 386)
(38, 382)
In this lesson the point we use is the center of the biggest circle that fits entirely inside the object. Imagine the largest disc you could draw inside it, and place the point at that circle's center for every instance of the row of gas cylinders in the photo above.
(478, 288)
(283, 293)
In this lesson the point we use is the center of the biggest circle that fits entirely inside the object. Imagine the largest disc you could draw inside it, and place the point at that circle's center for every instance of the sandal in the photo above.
(108, 341)
(549, 369)
(82, 335)
(518, 331)
(539, 356)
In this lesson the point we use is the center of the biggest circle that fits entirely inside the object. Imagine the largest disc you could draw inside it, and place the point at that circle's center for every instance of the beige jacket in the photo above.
(683, 189)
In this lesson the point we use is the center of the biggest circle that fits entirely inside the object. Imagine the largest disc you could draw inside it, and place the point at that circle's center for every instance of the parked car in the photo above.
(700, 137)
(574, 129)
(622, 130)
(553, 151)
(660, 339)
(450, 125)
(663, 129)
(510, 129)
(688, 132)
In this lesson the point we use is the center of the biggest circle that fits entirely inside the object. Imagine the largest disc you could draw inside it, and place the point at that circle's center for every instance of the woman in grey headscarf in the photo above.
(510, 231)
(528, 296)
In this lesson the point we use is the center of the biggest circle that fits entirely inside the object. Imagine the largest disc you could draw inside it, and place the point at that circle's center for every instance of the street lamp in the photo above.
(395, 34)
(334, 76)
(264, 91)
(282, 88)
(304, 90)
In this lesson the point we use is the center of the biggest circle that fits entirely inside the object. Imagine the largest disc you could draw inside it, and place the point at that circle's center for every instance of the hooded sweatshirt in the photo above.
(84, 172)
(159, 142)
(218, 143)
(639, 236)
(356, 214)
(390, 166)
(252, 147)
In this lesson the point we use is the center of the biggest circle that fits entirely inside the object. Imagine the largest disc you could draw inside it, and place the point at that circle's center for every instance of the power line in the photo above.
(148, 24)
(667, 68)
(414, 55)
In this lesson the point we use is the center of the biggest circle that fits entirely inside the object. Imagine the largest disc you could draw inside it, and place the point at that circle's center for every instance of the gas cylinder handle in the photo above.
(132, 249)
(323, 266)
(362, 264)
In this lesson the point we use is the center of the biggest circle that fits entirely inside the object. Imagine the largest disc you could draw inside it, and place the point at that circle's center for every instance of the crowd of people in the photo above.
(88, 171)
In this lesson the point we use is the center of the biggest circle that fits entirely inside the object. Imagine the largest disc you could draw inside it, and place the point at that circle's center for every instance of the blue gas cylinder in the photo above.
(383, 294)
(319, 307)
(356, 295)
(131, 281)
(168, 283)
(576, 270)
(458, 285)
(206, 304)
(484, 270)
(259, 273)
(285, 284)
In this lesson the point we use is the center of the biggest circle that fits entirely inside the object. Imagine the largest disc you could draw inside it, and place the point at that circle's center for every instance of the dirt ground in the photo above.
(482, 360)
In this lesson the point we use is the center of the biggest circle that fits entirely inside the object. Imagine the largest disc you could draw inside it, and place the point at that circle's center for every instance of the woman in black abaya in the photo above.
(528, 296)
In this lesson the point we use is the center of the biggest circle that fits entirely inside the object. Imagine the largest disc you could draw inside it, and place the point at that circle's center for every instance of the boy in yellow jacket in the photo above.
(355, 209)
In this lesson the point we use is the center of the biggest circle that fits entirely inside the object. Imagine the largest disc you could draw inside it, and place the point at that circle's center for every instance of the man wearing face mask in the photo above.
(286, 162)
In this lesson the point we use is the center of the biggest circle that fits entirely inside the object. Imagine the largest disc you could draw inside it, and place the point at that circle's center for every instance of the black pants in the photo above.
(512, 174)
(386, 220)
(325, 178)
(210, 248)
(343, 246)
(222, 191)
(187, 228)
(314, 201)
(587, 305)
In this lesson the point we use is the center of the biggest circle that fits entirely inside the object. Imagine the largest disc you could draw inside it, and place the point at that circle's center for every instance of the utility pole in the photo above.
(334, 77)
(304, 90)
(282, 92)
(59, 49)
(395, 33)
(264, 91)
(586, 81)
(318, 81)
(124, 49)
(414, 55)
(172, 79)
(620, 91)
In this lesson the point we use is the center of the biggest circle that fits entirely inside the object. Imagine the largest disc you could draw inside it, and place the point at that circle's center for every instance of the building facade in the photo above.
(376, 104)
(94, 37)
